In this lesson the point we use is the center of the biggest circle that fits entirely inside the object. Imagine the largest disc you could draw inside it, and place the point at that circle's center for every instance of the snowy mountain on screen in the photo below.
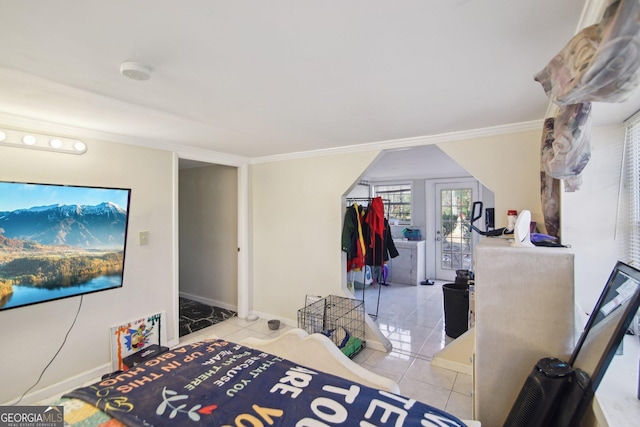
(100, 226)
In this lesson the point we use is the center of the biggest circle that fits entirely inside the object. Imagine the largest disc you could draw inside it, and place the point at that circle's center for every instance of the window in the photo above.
(633, 168)
(397, 201)
(456, 244)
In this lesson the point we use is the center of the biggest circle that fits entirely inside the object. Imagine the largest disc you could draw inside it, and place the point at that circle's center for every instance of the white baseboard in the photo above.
(268, 316)
(208, 301)
(47, 394)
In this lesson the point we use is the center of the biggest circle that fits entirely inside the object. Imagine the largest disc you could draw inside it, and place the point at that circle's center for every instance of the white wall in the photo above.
(297, 216)
(31, 335)
(209, 234)
(594, 219)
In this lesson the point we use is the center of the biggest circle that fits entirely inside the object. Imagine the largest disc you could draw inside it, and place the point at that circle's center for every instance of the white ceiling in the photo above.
(264, 78)
(422, 162)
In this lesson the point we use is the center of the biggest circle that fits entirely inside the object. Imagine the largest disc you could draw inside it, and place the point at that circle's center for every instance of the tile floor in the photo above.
(412, 318)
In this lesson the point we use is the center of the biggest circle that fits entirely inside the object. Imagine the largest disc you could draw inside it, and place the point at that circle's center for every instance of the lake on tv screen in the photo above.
(26, 295)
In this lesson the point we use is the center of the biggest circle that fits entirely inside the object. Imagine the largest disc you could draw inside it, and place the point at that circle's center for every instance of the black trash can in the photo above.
(456, 308)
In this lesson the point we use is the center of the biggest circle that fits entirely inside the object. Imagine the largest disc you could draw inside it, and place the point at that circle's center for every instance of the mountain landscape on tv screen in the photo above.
(60, 246)
(98, 227)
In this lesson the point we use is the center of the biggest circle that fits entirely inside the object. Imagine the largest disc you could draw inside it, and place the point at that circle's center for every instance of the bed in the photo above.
(215, 382)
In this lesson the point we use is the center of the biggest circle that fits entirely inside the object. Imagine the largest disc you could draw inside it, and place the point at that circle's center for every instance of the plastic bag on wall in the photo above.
(566, 148)
(599, 64)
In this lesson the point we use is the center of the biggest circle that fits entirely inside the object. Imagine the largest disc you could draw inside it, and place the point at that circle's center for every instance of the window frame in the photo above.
(389, 203)
(632, 152)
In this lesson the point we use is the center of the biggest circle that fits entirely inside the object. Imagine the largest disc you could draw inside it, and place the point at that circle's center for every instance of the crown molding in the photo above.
(203, 155)
(395, 144)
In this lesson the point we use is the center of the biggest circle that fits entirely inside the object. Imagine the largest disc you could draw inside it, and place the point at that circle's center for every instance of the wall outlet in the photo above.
(143, 238)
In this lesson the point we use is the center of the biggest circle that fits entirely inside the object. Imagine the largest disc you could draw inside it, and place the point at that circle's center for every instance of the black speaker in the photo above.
(540, 394)
(574, 403)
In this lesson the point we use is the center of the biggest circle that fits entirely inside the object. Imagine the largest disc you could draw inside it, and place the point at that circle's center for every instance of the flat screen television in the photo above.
(602, 336)
(608, 323)
(59, 241)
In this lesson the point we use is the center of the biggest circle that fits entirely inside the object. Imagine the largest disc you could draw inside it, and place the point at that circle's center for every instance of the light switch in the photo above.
(143, 238)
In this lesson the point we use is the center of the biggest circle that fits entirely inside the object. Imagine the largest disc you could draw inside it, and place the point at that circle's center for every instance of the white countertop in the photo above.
(403, 243)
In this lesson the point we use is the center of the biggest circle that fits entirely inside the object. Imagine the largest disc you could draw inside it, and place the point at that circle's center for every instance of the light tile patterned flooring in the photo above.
(412, 318)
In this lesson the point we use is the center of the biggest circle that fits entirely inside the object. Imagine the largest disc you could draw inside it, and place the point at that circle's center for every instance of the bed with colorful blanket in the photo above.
(220, 383)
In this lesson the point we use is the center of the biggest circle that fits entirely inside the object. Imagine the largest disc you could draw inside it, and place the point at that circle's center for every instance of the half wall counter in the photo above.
(524, 311)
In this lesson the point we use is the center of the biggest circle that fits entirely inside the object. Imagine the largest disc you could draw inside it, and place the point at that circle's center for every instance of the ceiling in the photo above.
(266, 78)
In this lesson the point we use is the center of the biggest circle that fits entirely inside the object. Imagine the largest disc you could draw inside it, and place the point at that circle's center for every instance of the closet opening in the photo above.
(208, 244)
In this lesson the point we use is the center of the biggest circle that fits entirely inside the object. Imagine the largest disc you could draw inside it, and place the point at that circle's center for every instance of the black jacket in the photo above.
(380, 248)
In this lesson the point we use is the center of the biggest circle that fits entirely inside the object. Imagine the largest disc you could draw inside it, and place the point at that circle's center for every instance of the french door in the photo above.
(454, 241)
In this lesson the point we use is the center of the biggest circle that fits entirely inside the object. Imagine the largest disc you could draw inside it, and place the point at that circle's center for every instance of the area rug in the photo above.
(195, 315)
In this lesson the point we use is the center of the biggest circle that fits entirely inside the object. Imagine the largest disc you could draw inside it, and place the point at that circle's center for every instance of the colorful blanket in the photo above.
(219, 383)
(78, 413)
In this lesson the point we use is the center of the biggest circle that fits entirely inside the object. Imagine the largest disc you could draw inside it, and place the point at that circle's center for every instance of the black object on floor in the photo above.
(427, 282)
(146, 353)
(195, 315)
(456, 309)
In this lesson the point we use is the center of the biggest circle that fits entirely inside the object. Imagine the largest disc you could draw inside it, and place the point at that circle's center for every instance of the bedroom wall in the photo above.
(31, 335)
(595, 218)
(297, 215)
(508, 165)
(208, 198)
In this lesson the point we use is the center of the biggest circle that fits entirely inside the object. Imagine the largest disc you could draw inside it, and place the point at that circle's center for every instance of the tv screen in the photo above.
(59, 241)
(608, 323)
(599, 341)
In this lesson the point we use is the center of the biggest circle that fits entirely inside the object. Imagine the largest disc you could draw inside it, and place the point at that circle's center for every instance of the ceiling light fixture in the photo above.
(80, 146)
(135, 71)
(29, 140)
(36, 141)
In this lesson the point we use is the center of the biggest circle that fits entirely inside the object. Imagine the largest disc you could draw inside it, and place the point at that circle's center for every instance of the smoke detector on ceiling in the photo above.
(135, 71)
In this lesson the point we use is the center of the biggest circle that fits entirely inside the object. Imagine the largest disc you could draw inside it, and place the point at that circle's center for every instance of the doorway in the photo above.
(454, 242)
(423, 167)
(208, 233)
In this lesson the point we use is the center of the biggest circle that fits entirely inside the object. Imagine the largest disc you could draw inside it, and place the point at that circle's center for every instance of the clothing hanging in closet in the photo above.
(366, 236)
(380, 247)
(353, 242)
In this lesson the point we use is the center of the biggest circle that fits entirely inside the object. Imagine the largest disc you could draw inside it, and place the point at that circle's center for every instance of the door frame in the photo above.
(245, 287)
(432, 212)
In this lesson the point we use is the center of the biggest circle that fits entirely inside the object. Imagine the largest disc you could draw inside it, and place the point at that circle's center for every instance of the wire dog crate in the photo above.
(339, 318)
